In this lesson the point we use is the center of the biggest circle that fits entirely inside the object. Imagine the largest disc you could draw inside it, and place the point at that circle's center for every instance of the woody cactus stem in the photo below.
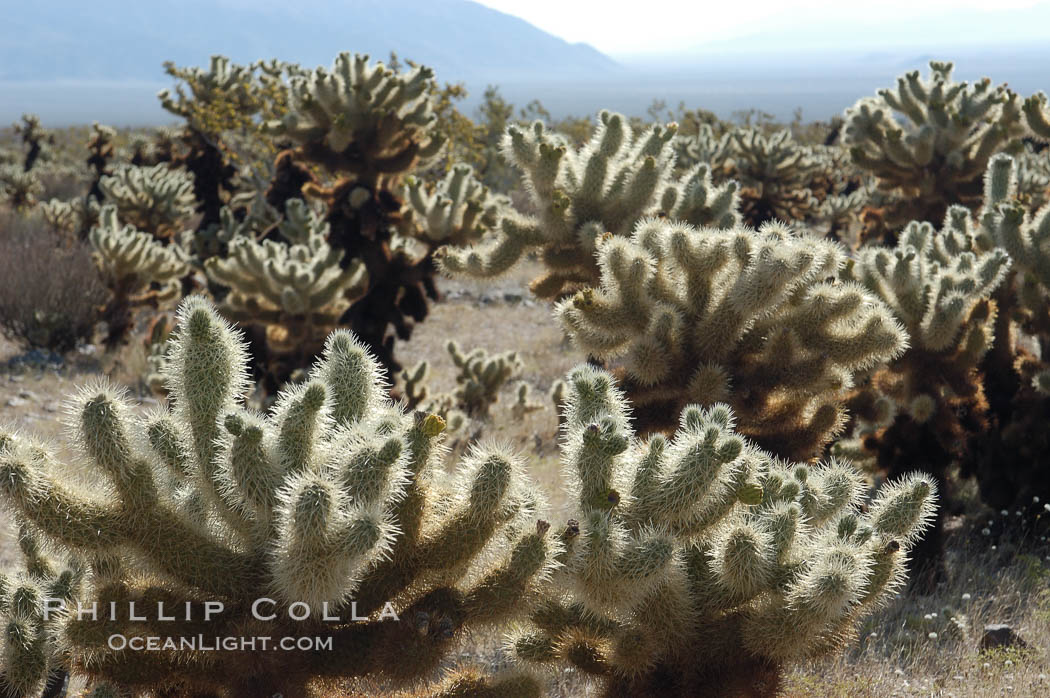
(697, 564)
(369, 127)
(331, 503)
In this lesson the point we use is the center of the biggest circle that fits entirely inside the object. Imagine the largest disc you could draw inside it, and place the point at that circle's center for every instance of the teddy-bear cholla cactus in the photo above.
(70, 216)
(923, 407)
(738, 316)
(37, 140)
(702, 564)
(136, 268)
(296, 288)
(936, 155)
(774, 173)
(18, 187)
(29, 657)
(153, 199)
(704, 147)
(613, 181)
(1008, 457)
(386, 115)
(333, 496)
(459, 210)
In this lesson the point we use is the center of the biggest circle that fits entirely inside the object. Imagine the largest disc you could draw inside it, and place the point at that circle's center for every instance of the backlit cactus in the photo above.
(387, 116)
(774, 173)
(928, 141)
(607, 186)
(939, 284)
(459, 210)
(137, 269)
(697, 564)
(737, 316)
(331, 503)
(294, 290)
(155, 199)
(30, 659)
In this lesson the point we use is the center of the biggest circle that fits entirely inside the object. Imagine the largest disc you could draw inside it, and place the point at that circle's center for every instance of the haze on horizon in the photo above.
(622, 31)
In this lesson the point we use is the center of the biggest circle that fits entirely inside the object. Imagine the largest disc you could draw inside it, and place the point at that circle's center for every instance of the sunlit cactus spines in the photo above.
(928, 141)
(698, 564)
(704, 316)
(608, 185)
(155, 199)
(333, 497)
(1007, 453)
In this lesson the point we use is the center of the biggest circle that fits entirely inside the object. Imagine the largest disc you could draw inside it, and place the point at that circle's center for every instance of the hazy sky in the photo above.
(643, 26)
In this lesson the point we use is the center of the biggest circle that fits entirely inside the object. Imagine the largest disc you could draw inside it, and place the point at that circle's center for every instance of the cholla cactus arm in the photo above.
(733, 316)
(459, 211)
(333, 496)
(154, 199)
(1037, 115)
(782, 571)
(941, 152)
(617, 178)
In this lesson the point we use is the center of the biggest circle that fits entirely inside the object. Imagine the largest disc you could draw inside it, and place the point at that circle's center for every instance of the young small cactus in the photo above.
(697, 564)
(332, 503)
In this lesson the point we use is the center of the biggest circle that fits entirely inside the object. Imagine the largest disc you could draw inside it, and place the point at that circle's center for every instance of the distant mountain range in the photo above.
(130, 39)
(77, 62)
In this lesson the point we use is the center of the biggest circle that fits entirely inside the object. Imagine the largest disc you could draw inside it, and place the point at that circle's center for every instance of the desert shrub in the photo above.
(49, 289)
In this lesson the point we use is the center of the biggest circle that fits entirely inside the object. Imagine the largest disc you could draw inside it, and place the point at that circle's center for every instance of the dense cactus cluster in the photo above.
(701, 565)
(738, 316)
(760, 308)
(774, 174)
(332, 497)
(607, 186)
(936, 153)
